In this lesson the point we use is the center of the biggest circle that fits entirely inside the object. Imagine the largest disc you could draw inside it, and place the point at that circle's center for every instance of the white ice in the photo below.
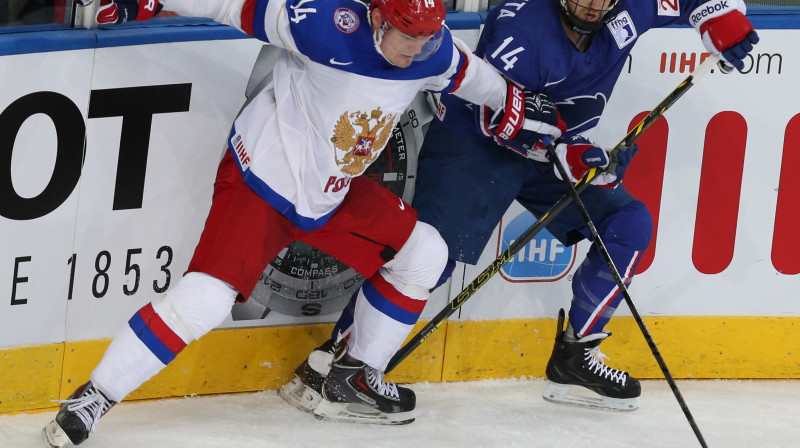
(492, 413)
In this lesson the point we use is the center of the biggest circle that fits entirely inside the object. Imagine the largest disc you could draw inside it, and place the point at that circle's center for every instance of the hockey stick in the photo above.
(545, 219)
(622, 288)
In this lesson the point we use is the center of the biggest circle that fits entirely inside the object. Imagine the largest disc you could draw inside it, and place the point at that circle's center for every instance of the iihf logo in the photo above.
(623, 30)
(543, 259)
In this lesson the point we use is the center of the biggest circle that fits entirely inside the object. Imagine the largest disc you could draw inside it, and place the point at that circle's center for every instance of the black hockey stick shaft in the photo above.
(545, 219)
(479, 281)
(598, 241)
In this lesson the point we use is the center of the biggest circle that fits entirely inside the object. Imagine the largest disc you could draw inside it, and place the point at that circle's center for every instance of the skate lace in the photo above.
(595, 358)
(89, 407)
(375, 379)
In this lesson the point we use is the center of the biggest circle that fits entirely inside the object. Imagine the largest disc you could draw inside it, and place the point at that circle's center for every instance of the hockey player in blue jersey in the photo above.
(573, 51)
(292, 170)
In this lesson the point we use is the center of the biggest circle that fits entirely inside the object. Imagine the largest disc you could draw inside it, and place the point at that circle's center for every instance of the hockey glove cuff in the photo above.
(520, 125)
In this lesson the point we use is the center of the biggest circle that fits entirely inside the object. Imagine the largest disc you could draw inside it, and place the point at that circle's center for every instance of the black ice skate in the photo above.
(355, 392)
(581, 363)
(305, 390)
(77, 417)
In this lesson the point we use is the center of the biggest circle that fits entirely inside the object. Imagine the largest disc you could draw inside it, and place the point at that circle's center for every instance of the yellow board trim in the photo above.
(251, 359)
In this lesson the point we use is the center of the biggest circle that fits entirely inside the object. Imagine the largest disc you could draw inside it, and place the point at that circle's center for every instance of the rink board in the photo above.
(92, 233)
(252, 359)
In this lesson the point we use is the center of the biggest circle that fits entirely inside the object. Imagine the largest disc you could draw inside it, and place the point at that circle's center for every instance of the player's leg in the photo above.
(481, 181)
(304, 391)
(625, 226)
(626, 234)
(464, 187)
(221, 267)
(469, 200)
(377, 234)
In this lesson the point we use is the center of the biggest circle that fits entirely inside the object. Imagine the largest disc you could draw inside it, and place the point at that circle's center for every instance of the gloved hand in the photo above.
(578, 155)
(620, 159)
(121, 11)
(526, 117)
(725, 30)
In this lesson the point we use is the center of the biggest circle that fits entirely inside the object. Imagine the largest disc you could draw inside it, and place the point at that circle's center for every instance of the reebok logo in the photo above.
(708, 10)
(593, 159)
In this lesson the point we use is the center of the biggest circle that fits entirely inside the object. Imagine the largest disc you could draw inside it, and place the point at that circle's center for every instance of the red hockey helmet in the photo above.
(413, 17)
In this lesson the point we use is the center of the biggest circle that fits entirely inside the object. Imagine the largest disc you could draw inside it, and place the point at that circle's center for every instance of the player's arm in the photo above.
(472, 79)
(523, 116)
(246, 15)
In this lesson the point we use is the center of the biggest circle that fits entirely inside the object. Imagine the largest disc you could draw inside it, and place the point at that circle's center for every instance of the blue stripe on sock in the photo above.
(150, 340)
(386, 307)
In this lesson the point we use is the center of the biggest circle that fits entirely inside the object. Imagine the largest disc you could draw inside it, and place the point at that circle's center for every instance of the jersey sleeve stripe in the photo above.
(248, 13)
(254, 18)
(461, 72)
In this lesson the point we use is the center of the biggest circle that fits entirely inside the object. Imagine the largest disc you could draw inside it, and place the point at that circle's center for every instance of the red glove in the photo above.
(525, 118)
(121, 11)
(578, 155)
(725, 30)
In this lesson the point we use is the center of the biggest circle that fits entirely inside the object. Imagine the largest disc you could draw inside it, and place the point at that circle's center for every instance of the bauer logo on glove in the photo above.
(521, 123)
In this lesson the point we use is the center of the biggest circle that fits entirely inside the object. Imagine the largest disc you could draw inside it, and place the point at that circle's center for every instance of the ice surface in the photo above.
(492, 413)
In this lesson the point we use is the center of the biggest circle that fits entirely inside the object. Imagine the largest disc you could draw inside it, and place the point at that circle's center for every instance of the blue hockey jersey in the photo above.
(526, 42)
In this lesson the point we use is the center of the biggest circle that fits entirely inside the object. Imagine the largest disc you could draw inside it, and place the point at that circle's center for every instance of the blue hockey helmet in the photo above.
(589, 16)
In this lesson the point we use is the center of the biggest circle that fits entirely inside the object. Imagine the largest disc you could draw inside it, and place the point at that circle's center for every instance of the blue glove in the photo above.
(620, 159)
(725, 31)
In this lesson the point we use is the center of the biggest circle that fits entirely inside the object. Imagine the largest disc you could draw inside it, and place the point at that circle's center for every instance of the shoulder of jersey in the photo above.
(330, 30)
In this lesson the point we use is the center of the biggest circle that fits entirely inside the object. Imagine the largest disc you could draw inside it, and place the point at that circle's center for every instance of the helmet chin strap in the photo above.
(377, 38)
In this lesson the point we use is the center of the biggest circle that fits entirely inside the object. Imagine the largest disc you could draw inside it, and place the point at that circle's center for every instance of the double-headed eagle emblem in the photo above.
(361, 148)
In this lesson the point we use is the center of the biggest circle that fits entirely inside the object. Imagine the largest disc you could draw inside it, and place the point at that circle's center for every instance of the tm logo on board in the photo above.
(543, 259)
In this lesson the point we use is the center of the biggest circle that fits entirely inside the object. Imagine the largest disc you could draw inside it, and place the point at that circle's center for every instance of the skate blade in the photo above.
(54, 436)
(560, 394)
(299, 395)
(359, 413)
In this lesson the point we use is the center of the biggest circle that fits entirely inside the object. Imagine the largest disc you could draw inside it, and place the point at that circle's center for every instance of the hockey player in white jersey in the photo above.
(292, 172)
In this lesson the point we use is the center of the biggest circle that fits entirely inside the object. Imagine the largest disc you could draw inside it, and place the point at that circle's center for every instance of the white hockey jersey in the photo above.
(333, 101)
